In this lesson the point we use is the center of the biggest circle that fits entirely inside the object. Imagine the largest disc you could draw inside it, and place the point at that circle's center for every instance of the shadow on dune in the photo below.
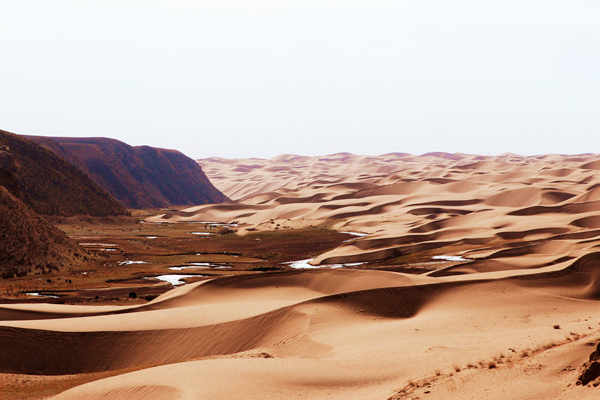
(580, 280)
(32, 351)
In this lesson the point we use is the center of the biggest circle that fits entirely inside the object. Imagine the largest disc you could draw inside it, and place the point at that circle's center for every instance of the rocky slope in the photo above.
(139, 177)
(49, 184)
(28, 243)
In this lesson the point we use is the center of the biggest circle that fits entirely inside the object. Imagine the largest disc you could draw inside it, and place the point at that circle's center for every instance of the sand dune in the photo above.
(360, 344)
(455, 199)
(510, 318)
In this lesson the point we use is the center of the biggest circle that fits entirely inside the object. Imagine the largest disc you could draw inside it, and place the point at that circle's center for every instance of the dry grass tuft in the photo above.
(549, 345)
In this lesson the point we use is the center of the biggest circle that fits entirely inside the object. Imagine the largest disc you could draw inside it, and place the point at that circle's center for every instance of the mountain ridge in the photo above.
(49, 184)
(138, 176)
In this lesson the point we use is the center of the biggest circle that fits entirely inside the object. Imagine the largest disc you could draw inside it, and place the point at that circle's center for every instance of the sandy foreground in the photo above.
(514, 318)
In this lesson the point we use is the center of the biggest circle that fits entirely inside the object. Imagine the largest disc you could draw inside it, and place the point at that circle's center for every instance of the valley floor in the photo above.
(323, 333)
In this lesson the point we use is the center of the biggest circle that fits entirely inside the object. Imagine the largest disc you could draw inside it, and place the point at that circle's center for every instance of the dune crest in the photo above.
(504, 255)
(323, 344)
(435, 201)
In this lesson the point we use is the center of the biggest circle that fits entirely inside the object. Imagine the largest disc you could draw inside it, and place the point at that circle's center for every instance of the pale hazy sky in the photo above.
(260, 78)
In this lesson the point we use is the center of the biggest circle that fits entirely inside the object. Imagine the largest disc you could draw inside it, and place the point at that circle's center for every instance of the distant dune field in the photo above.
(504, 212)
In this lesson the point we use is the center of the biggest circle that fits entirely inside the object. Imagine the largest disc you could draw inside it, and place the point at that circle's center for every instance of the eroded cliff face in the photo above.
(139, 177)
(49, 184)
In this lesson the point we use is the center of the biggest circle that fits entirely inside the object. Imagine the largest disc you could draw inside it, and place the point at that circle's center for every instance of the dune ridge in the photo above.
(316, 334)
(436, 201)
(518, 302)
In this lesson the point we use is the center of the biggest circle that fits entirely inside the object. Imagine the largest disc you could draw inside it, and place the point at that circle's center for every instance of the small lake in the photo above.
(221, 224)
(129, 262)
(195, 265)
(174, 280)
(38, 294)
(98, 244)
(304, 264)
(356, 234)
(450, 258)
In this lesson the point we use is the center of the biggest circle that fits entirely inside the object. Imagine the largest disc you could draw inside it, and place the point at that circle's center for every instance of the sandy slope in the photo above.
(328, 343)
(441, 202)
(528, 302)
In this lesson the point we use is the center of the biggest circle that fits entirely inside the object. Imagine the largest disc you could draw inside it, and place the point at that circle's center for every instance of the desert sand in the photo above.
(514, 316)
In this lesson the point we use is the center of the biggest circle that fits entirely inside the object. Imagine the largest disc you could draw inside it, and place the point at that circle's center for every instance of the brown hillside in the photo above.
(49, 184)
(28, 242)
(139, 177)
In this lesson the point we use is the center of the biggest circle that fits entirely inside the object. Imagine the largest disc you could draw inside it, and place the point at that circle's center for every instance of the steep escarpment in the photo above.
(49, 184)
(141, 176)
